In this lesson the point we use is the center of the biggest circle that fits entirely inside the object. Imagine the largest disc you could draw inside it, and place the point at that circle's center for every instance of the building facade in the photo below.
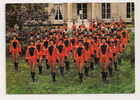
(77, 13)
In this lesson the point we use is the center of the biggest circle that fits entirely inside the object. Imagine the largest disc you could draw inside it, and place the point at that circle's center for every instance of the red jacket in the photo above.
(61, 51)
(67, 48)
(82, 26)
(31, 54)
(90, 26)
(40, 49)
(73, 27)
(15, 47)
(79, 55)
(104, 53)
(52, 54)
(87, 54)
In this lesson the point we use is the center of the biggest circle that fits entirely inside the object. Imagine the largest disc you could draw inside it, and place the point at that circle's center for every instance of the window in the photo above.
(82, 10)
(130, 10)
(58, 13)
(106, 11)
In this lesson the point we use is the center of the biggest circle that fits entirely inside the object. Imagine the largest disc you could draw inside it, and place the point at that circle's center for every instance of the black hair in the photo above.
(103, 48)
(60, 48)
(73, 41)
(31, 51)
(86, 44)
(14, 44)
(50, 49)
(124, 34)
(66, 42)
(79, 51)
(38, 46)
(46, 44)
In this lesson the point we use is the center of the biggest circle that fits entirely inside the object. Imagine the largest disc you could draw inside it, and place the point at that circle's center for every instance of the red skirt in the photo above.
(15, 51)
(32, 60)
(80, 60)
(51, 59)
(104, 58)
(40, 54)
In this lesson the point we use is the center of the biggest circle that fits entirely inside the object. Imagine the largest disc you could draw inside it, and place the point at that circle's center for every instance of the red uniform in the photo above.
(91, 26)
(124, 42)
(82, 26)
(117, 45)
(88, 51)
(61, 52)
(45, 45)
(104, 53)
(15, 48)
(51, 54)
(73, 44)
(74, 27)
(87, 54)
(67, 47)
(121, 47)
(95, 49)
(31, 54)
(40, 49)
(124, 39)
(110, 53)
(114, 50)
(79, 55)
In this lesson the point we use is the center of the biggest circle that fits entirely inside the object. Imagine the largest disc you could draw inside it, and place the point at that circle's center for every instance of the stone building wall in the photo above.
(94, 11)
